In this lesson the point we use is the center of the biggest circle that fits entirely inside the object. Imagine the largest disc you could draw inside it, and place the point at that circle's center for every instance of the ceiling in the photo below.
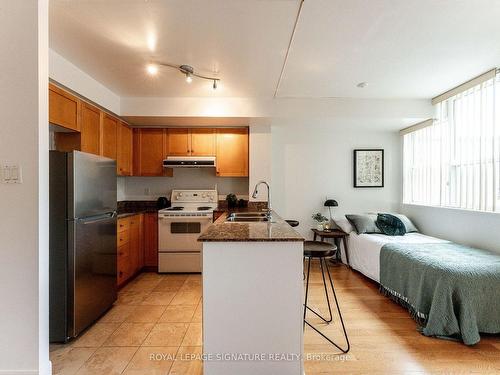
(402, 49)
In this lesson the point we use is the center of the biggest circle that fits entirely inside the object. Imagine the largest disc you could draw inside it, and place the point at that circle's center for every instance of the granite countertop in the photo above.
(276, 230)
(122, 215)
(131, 208)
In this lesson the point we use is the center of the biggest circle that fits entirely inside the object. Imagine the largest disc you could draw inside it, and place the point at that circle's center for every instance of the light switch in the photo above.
(11, 174)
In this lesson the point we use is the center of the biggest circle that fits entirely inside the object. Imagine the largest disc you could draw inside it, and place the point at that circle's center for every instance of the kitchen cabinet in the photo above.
(130, 247)
(149, 150)
(63, 108)
(178, 142)
(191, 142)
(232, 152)
(202, 142)
(123, 263)
(109, 129)
(151, 239)
(124, 150)
(90, 132)
(136, 243)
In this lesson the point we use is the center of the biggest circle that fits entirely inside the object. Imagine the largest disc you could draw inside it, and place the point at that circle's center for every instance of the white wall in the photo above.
(260, 150)
(312, 160)
(477, 229)
(69, 75)
(136, 188)
(24, 223)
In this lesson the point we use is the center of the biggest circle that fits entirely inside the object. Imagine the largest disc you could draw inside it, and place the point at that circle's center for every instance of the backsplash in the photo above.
(150, 188)
(135, 206)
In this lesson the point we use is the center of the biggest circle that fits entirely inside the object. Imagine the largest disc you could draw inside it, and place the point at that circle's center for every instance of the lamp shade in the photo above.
(331, 203)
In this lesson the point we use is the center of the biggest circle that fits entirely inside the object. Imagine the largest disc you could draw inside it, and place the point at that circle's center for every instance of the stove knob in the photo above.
(204, 195)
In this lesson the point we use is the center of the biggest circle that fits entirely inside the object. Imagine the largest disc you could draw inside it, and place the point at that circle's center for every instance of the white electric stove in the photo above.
(179, 227)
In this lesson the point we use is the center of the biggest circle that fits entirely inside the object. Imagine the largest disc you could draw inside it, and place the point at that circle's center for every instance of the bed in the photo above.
(452, 291)
(364, 250)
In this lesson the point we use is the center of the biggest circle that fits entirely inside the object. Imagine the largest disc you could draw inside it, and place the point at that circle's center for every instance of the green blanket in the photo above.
(451, 290)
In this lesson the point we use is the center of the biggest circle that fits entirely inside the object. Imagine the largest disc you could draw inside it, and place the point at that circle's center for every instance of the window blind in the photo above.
(454, 161)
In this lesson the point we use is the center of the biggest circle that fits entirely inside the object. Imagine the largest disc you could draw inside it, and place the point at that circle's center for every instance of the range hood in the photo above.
(189, 162)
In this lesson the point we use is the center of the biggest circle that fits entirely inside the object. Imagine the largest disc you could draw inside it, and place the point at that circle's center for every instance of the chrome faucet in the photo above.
(255, 192)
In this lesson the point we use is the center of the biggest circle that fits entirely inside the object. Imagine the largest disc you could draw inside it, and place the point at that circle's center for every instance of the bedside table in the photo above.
(337, 235)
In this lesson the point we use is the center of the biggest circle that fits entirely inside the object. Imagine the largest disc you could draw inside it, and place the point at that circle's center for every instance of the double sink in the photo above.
(246, 217)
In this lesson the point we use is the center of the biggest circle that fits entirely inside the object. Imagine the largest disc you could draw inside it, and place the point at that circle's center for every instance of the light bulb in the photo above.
(152, 69)
(189, 79)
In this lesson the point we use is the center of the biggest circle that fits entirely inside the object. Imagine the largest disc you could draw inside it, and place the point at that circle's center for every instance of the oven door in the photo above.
(180, 233)
(178, 246)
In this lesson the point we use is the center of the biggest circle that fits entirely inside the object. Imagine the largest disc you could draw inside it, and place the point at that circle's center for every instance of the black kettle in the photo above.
(162, 202)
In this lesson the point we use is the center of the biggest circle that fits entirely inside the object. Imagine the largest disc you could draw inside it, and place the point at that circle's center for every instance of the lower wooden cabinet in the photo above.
(130, 247)
(151, 239)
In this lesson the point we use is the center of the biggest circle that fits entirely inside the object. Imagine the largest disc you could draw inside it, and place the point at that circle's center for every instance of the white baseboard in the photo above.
(45, 370)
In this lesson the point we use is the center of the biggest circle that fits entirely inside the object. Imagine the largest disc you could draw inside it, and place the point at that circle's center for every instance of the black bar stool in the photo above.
(322, 250)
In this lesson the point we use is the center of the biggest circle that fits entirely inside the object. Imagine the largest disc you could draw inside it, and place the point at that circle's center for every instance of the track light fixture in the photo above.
(187, 70)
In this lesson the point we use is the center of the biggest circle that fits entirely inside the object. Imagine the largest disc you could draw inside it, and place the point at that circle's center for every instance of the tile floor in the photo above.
(155, 329)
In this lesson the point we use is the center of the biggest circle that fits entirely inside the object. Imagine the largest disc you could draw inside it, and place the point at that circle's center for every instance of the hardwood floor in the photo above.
(155, 328)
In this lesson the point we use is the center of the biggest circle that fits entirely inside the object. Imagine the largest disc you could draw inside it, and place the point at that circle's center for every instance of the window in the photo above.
(454, 159)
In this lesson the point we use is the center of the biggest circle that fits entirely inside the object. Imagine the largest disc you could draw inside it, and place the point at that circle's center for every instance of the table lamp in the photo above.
(330, 203)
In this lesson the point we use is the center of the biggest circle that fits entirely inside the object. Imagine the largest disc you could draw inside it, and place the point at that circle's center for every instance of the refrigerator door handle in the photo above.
(95, 219)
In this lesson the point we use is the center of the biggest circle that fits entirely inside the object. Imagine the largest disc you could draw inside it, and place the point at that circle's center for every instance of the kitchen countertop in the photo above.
(127, 214)
(131, 208)
(276, 230)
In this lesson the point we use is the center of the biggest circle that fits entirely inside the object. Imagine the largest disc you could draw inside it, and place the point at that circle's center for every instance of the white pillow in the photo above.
(344, 224)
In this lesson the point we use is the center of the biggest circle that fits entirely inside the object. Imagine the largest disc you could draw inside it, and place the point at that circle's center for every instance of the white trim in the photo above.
(417, 126)
(465, 86)
(19, 372)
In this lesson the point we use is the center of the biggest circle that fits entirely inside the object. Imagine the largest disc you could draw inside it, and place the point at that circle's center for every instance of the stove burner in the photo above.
(204, 208)
(175, 209)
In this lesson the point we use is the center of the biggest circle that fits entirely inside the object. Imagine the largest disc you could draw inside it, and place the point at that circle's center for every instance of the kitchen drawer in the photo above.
(123, 224)
(123, 269)
(122, 238)
(123, 251)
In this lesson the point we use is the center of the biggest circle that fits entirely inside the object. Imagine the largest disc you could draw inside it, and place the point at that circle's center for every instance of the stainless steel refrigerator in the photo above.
(82, 222)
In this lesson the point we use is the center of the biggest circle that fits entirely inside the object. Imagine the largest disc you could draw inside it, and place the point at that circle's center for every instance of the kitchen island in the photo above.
(252, 298)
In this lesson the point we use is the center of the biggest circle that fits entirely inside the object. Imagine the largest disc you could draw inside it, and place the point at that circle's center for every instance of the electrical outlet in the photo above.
(11, 174)
(147, 191)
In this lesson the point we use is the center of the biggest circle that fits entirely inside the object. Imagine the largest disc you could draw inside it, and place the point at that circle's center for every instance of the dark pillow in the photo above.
(390, 225)
(410, 227)
(364, 223)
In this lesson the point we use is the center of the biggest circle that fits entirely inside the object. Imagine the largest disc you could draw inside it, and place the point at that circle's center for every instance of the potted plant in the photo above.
(320, 219)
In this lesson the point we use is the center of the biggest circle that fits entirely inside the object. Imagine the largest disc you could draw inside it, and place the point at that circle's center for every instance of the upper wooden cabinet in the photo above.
(90, 129)
(150, 148)
(202, 142)
(232, 152)
(179, 142)
(109, 129)
(124, 150)
(63, 108)
(191, 142)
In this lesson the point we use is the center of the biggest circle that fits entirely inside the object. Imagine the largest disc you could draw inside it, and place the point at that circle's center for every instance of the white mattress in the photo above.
(364, 250)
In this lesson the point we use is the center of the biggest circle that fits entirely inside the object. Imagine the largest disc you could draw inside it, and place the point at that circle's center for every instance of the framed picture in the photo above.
(368, 168)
